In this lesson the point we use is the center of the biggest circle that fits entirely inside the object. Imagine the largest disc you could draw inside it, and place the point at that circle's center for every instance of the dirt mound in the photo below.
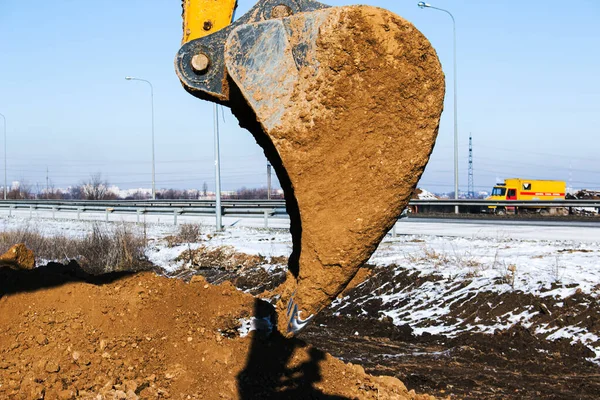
(67, 334)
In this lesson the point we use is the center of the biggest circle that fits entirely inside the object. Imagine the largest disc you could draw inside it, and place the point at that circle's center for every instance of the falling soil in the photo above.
(65, 334)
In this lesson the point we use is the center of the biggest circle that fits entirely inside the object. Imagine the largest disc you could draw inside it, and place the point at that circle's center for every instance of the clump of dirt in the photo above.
(251, 280)
(225, 257)
(18, 256)
(253, 274)
(257, 281)
(67, 334)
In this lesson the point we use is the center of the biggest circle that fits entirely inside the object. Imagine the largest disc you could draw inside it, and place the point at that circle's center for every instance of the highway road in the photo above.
(524, 230)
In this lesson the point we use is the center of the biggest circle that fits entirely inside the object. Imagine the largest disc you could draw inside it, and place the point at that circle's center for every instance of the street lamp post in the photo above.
(130, 78)
(268, 180)
(4, 118)
(422, 4)
(219, 224)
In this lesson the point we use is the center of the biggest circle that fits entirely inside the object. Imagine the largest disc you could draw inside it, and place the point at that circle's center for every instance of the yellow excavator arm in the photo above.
(204, 17)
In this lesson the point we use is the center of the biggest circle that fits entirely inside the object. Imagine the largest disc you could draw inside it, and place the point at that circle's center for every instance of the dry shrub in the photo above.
(106, 248)
(429, 255)
(187, 233)
(438, 257)
(117, 249)
(190, 233)
(44, 247)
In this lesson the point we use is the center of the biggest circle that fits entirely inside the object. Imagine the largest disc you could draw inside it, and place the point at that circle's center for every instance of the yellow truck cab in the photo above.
(527, 189)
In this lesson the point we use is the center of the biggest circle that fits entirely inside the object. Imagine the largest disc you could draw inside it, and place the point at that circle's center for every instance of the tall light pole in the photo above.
(219, 225)
(4, 118)
(422, 4)
(130, 78)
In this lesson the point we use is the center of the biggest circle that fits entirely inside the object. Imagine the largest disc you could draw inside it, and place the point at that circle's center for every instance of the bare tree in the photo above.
(76, 193)
(38, 191)
(138, 195)
(252, 194)
(204, 189)
(93, 189)
(20, 191)
(171, 194)
(52, 193)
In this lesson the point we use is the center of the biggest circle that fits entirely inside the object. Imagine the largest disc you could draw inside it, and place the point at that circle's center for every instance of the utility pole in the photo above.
(47, 183)
(471, 186)
(268, 180)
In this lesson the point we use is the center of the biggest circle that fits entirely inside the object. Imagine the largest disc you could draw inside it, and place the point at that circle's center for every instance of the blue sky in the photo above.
(529, 92)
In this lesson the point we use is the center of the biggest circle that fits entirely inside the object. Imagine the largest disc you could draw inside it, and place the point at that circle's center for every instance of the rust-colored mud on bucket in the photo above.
(346, 103)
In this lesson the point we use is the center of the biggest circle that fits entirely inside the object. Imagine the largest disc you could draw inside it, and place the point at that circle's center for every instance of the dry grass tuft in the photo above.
(187, 233)
(105, 249)
(118, 249)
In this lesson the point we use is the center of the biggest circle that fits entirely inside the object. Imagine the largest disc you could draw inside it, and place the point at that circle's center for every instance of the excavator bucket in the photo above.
(346, 103)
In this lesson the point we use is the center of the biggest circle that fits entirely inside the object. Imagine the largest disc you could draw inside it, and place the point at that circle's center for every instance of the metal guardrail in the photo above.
(281, 203)
(146, 203)
(238, 208)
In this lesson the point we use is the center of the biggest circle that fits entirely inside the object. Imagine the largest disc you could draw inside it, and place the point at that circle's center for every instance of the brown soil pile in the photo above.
(351, 110)
(65, 334)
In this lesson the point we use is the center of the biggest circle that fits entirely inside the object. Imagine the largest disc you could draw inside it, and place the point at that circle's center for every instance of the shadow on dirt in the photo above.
(268, 375)
(14, 281)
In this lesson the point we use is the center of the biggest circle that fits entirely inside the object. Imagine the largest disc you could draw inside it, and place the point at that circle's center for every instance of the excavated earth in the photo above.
(514, 363)
(65, 334)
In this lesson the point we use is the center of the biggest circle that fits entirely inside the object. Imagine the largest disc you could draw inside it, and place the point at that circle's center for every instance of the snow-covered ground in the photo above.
(545, 261)
(457, 249)
(536, 264)
(466, 268)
